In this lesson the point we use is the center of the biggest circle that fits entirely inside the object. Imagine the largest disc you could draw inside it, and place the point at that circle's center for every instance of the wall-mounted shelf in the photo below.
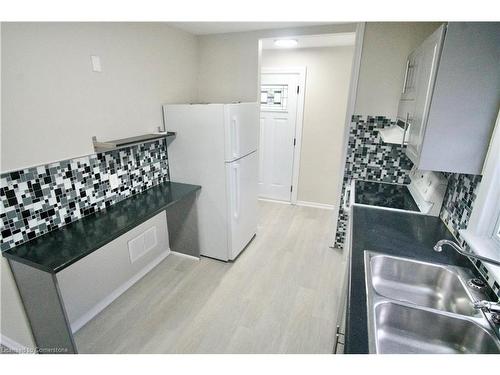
(394, 135)
(127, 142)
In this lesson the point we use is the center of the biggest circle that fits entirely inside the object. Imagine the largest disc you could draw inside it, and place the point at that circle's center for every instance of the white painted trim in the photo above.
(85, 318)
(273, 200)
(315, 205)
(192, 257)
(299, 121)
(15, 346)
(351, 103)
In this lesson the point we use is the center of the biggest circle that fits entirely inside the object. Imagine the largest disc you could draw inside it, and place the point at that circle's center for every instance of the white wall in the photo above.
(53, 103)
(229, 63)
(326, 93)
(386, 46)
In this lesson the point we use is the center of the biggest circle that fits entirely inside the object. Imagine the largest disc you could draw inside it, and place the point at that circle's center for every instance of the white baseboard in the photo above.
(315, 205)
(273, 201)
(84, 319)
(185, 255)
(15, 346)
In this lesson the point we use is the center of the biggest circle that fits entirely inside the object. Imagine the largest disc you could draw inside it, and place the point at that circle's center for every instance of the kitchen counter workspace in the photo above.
(37, 265)
(60, 248)
(395, 233)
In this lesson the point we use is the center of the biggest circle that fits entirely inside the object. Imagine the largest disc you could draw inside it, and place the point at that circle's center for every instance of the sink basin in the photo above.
(404, 329)
(419, 307)
(420, 283)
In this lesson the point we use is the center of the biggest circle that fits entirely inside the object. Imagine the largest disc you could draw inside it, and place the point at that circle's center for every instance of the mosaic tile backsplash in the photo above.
(457, 208)
(458, 201)
(369, 158)
(36, 200)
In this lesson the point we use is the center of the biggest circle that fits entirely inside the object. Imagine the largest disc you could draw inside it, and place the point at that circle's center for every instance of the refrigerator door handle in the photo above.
(236, 136)
(236, 191)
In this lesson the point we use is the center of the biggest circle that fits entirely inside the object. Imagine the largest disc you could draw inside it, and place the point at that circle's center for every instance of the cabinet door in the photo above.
(426, 58)
(465, 99)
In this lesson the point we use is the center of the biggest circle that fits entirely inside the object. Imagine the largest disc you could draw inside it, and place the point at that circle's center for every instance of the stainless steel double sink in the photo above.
(419, 307)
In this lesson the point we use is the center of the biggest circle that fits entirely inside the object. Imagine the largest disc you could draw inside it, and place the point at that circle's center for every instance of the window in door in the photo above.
(274, 97)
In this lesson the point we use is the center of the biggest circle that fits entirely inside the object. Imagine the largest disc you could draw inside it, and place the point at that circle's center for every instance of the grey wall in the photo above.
(229, 63)
(53, 103)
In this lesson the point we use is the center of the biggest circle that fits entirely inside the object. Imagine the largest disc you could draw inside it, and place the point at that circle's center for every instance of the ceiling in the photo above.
(312, 41)
(203, 28)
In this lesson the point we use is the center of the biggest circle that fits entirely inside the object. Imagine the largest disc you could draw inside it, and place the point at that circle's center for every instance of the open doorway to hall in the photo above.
(304, 92)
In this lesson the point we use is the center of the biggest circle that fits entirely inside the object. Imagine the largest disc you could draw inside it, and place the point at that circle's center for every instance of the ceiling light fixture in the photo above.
(286, 43)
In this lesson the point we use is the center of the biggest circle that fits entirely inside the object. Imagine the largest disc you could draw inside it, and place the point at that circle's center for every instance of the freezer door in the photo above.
(242, 208)
(241, 126)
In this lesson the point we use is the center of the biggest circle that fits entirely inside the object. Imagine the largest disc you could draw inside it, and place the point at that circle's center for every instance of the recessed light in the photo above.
(286, 43)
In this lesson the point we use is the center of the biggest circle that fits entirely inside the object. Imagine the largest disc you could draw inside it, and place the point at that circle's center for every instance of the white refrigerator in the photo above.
(216, 147)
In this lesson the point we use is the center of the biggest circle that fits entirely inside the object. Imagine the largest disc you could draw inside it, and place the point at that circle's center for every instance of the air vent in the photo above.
(142, 244)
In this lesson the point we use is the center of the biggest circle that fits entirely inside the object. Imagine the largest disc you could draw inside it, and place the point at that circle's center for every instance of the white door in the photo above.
(278, 119)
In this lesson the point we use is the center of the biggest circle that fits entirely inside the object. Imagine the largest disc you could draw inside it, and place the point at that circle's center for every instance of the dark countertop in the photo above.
(396, 233)
(60, 248)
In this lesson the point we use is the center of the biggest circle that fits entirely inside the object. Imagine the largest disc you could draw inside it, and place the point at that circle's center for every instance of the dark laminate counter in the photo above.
(396, 233)
(59, 249)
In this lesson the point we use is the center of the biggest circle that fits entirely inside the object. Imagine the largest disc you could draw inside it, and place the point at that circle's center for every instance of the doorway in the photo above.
(282, 108)
(301, 156)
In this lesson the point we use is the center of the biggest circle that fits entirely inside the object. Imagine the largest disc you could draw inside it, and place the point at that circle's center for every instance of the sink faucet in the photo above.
(439, 247)
(493, 307)
(488, 306)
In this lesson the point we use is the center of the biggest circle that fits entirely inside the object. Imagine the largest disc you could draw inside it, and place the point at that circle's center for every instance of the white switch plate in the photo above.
(96, 63)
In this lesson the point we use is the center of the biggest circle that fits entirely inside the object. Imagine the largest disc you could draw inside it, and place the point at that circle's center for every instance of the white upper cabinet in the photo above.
(426, 58)
(451, 97)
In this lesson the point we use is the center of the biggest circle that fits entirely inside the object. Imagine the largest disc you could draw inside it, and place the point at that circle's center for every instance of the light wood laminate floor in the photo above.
(279, 296)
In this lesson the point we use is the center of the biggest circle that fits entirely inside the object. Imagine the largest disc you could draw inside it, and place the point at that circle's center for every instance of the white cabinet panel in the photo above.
(456, 97)
(426, 57)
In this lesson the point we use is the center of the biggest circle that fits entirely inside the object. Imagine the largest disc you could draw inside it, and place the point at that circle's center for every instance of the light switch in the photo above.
(96, 63)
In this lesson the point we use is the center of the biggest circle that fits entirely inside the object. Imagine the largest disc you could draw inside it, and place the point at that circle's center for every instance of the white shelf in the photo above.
(127, 142)
(393, 134)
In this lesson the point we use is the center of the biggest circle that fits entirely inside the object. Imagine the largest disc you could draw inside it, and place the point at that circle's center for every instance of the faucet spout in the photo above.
(439, 247)
(487, 306)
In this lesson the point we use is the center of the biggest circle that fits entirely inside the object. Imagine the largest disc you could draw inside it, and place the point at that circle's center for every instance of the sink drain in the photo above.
(476, 283)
